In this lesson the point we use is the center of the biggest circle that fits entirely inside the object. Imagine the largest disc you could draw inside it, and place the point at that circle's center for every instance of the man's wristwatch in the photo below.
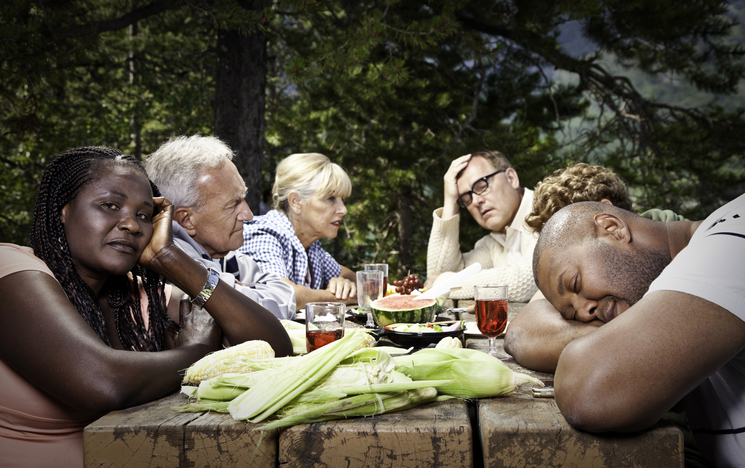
(208, 289)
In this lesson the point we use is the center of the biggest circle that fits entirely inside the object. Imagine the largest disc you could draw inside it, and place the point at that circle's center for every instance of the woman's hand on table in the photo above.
(197, 327)
(343, 289)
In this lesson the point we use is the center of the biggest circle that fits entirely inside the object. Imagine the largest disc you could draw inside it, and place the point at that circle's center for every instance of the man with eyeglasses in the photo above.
(485, 184)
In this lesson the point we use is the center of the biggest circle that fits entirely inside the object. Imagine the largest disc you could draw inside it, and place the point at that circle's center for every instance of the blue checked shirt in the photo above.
(272, 243)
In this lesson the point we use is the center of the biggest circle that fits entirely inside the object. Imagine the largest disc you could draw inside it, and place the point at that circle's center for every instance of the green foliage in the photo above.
(392, 90)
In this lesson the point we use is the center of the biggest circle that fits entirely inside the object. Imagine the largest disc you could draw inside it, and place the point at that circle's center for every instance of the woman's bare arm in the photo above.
(45, 339)
(240, 318)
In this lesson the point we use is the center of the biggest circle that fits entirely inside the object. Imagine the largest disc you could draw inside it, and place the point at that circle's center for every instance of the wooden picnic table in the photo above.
(515, 430)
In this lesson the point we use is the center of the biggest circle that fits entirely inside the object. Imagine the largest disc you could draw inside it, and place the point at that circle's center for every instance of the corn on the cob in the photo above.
(354, 406)
(473, 374)
(227, 360)
(264, 399)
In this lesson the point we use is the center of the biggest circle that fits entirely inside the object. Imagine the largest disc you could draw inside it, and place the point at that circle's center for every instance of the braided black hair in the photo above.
(63, 179)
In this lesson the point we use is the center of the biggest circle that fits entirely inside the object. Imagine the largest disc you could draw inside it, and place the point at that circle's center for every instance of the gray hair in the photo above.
(176, 165)
(308, 174)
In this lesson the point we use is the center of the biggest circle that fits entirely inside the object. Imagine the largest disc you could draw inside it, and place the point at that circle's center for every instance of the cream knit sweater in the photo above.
(444, 255)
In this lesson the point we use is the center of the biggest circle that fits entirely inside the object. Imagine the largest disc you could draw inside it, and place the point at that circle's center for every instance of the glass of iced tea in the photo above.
(324, 323)
(491, 314)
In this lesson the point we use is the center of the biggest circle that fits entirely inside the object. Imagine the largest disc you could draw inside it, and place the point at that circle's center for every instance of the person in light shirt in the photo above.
(671, 298)
(308, 194)
(486, 185)
(198, 175)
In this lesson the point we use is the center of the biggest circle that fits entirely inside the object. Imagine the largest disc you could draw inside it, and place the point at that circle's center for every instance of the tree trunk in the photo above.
(239, 104)
(405, 229)
(135, 122)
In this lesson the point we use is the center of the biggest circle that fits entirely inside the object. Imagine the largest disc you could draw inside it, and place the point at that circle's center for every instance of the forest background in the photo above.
(390, 90)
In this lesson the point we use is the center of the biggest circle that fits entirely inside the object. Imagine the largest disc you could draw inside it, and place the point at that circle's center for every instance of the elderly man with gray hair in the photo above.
(198, 176)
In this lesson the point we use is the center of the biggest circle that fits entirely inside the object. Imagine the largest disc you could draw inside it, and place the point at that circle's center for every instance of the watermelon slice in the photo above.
(398, 308)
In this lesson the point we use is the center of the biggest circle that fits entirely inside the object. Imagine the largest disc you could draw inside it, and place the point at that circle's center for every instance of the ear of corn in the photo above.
(265, 398)
(473, 374)
(354, 406)
(341, 380)
(227, 360)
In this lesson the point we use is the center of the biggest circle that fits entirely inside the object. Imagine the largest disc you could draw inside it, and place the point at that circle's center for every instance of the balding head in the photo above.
(586, 264)
(571, 225)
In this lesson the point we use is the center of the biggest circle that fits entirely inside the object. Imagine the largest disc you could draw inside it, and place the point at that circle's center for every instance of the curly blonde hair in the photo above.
(575, 183)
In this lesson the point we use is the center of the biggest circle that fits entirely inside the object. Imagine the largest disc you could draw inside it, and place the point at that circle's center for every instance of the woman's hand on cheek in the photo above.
(162, 231)
(342, 288)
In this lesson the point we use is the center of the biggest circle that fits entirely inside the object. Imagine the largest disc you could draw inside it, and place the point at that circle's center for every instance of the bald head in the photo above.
(572, 225)
(589, 265)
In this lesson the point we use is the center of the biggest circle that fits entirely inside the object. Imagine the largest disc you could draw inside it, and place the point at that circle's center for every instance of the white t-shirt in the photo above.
(712, 267)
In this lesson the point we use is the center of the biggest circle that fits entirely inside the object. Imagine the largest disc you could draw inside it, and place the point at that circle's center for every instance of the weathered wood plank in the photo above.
(142, 436)
(218, 440)
(518, 432)
(433, 435)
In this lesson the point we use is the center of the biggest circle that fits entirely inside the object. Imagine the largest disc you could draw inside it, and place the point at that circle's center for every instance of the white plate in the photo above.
(473, 330)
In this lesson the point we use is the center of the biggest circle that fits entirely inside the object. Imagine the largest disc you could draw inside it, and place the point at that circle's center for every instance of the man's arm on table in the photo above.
(538, 334)
(628, 373)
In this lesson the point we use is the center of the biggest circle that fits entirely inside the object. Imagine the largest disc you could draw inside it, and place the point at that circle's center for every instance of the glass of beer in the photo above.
(491, 315)
(324, 323)
(381, 267)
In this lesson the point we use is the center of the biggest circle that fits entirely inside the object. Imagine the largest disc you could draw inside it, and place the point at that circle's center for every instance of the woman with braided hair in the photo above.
(88, 294)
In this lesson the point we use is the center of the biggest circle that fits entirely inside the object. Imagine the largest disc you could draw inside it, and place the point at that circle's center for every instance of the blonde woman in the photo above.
(308, 195)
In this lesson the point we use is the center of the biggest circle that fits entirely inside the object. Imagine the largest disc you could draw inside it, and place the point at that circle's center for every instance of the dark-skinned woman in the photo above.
(87, 324)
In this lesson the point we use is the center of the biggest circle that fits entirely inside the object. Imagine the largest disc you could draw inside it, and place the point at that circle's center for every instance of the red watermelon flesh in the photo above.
(398, 308)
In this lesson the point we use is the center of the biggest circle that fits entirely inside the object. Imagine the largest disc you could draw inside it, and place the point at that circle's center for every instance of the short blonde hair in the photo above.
(576, 183)
(308, 174)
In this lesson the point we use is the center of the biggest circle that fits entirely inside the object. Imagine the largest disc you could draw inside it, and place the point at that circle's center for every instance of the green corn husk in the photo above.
(285, 384)
(204, 405)
(363, 371)
(227, 387)
(296, 332)
(355, 406)
(474, 374)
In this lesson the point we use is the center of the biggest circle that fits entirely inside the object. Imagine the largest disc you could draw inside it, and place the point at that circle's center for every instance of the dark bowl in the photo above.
(421, 340)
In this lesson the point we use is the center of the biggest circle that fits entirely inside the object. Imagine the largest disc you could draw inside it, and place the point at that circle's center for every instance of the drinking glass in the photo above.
(491, 315)
(382, 267)
(369, 288)
(324, 323)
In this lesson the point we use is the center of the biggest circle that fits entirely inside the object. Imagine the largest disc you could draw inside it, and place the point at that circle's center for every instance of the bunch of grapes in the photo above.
(408, 284)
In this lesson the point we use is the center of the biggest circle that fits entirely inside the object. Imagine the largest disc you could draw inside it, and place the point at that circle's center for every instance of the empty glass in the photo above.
(382, 267)
(369, 289)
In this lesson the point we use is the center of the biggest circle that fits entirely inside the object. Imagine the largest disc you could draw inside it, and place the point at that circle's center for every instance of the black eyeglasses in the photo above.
(478, 188)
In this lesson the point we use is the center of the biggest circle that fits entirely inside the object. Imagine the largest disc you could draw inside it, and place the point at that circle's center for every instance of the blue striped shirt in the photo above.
(272, 243)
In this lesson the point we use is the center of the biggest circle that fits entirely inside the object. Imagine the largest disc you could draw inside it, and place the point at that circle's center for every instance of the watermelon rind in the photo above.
(386, 314)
